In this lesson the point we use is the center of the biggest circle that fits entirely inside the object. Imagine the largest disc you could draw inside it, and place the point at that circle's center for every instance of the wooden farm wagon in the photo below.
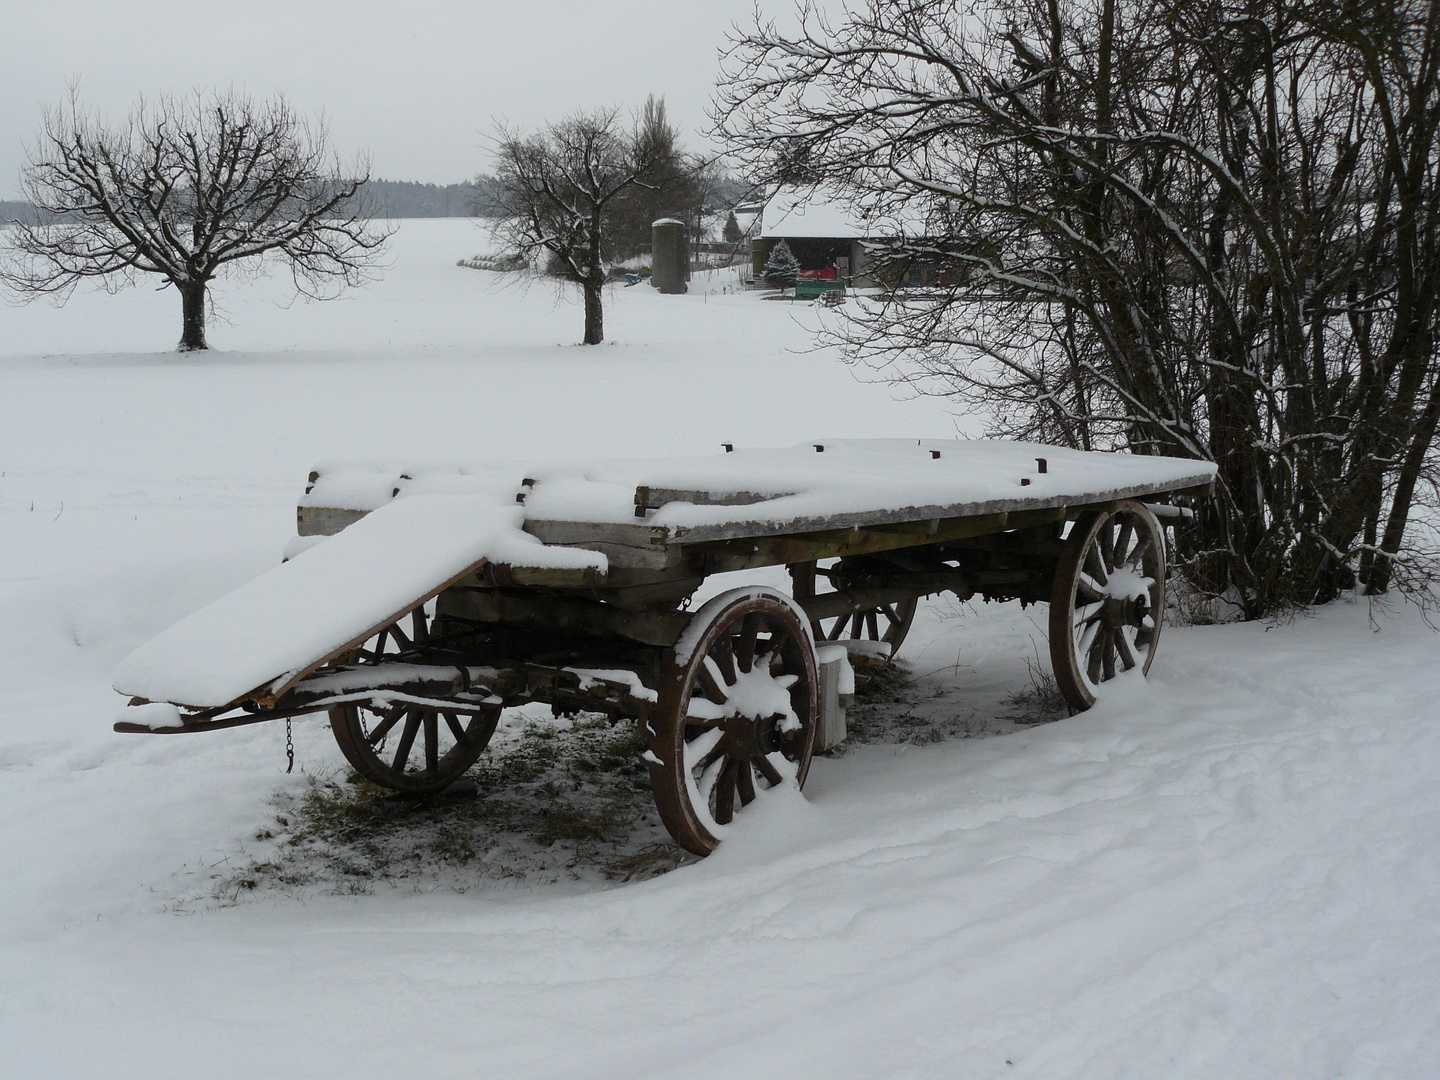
(417, 603)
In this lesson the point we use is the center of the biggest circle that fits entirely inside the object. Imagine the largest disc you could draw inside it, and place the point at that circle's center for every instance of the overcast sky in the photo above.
(417, 85)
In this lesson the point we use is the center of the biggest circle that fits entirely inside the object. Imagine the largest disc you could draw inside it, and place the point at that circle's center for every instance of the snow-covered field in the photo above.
(1232, 870)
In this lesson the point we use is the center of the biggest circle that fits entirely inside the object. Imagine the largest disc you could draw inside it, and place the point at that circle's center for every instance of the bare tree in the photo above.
(1209, 229)
(556, 193)
(184, 190)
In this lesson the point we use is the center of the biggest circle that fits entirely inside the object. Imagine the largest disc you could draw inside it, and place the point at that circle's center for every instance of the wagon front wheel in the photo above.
(1109, 595)
(411, 748)
(736, 716)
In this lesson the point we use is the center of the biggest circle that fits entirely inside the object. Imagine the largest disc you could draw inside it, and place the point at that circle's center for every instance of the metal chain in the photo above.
(365, 728)
(289, 747)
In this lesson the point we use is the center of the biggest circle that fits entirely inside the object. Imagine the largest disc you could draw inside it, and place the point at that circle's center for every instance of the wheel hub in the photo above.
(1121, 611)
(751, 737)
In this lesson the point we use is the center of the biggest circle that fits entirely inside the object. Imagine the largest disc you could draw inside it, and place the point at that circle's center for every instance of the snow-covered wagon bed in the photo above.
(417, 603)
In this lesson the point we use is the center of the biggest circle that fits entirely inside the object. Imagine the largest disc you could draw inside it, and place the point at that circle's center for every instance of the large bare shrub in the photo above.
(1207, 228)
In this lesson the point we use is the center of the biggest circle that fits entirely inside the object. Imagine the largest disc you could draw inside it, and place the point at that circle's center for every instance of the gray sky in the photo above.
(415, 84)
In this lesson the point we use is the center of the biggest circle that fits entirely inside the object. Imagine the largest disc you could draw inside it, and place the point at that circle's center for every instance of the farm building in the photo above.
(827, 237)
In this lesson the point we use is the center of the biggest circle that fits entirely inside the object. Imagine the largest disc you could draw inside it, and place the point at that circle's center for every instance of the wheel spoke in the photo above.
(1094, 656)
(1088, 587)
(1122, 541)
(713, 754)
(722, 656)
(857, 624)
(745, 780)
(1142, 547)
(710, 681)
(872, 624)
(837, 629)
(1106, 541)
(398, 636)
(1099, 572)
(725, 794)
(768, 770)
(706, 784)
(456, 728)
(1086, 641)
(387, 722)
(1108, 668)
(432, 741)
(890, 616)
(1125, 648)
(697, 750)
(407, 740)
(1088, 613)
(419, 630)
(749, 632)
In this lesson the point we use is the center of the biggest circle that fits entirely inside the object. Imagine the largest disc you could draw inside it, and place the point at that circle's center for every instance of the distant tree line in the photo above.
(387, 198)
(469, 198)
(406, 199)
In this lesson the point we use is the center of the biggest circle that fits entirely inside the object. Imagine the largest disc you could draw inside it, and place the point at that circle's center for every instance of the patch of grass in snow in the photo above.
(1040, 700)
(552, 801)
(892, 705)
(555, 801)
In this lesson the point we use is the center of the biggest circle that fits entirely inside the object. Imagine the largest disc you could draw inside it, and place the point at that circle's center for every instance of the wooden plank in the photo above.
(737, 530)
(583, 577)
(597, 532)
(564, 614)
(652, 498)
(267, 695)
(632, 546)
(751, 553)
(324, 520)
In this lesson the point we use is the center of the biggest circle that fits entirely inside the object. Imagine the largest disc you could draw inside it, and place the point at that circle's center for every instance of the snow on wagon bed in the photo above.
(453, 590)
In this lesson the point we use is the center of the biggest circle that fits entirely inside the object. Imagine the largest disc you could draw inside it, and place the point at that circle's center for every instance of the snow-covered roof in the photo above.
(798, 213)
(790, 213)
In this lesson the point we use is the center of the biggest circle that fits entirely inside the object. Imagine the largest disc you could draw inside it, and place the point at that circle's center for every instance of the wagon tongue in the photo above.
(396, 681)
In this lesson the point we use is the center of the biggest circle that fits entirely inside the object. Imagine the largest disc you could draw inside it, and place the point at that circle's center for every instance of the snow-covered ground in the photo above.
(1231, 870)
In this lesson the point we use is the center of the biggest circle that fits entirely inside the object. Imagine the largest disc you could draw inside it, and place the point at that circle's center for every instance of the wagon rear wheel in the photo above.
(1109, 595)
(873, 635)
(415, 749)
(884, 625)
(736, 717)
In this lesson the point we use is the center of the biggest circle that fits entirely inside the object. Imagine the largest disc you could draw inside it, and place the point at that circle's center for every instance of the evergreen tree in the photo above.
(782, 267)
(667, 187)
(731, 232)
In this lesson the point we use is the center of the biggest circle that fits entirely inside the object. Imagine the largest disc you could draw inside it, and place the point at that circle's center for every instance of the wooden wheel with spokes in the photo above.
(737, 714)
(1109, 596)
(884, 625)
(412, 748)
(872, 636)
